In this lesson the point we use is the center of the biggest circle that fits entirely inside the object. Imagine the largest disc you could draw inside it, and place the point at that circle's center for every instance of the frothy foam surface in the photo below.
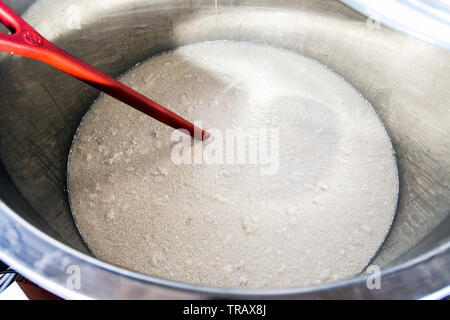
(320, 218)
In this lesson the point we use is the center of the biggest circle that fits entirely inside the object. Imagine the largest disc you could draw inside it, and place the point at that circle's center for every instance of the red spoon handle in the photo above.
(25, 41)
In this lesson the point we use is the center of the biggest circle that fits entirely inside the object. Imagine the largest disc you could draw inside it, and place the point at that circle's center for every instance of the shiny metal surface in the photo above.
(405, 79)
(428, 20)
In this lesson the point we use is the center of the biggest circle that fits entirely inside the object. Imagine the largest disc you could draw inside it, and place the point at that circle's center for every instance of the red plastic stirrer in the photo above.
(26, 41)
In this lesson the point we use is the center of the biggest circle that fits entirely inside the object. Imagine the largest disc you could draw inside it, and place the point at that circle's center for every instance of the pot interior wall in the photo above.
(405, 79)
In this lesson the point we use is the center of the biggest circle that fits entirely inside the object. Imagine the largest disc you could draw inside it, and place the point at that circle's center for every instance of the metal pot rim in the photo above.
(425, 20)
(14, 226)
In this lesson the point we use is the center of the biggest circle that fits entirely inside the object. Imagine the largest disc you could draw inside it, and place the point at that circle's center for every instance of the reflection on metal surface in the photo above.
(428, 20)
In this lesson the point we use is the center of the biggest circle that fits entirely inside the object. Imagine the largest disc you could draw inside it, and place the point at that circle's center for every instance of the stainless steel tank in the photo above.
(407, 80)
